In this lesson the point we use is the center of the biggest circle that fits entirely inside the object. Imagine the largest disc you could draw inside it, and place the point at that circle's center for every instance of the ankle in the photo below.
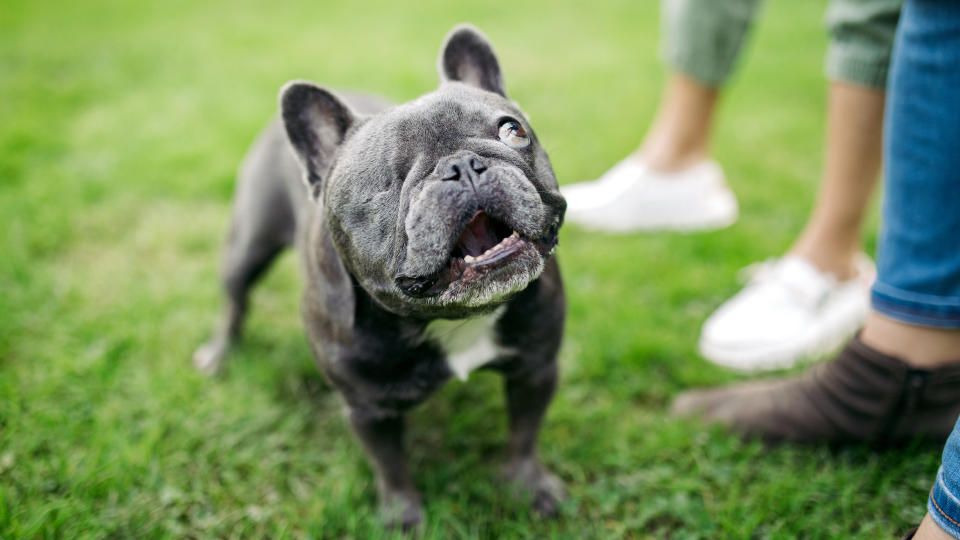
(929, 530)
(680, 133)
(840, 261)
(668, 157)
(920, 346)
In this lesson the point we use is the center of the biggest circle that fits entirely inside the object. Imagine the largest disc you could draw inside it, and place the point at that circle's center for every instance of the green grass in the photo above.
(121, 126)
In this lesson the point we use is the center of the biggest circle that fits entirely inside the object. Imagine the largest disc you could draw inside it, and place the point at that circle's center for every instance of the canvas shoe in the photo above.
(787, 312)
(630, 197)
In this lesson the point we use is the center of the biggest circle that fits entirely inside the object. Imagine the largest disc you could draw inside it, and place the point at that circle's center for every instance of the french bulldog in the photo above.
(426, 234)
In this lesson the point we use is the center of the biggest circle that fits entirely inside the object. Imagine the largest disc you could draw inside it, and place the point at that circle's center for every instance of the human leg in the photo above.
(861, 39)
(919, 280)
(669, 182)
(810, 301)
(865, 394)
(807, 303)
(831, 238)
(680, 134)
(702, 41)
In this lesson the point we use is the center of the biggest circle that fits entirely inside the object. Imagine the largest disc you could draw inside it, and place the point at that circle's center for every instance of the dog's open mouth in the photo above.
(484, 241)
(486, 249)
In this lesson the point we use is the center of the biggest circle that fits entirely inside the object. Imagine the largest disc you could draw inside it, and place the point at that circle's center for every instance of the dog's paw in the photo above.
(209, 359)
(531, 479)
(401, 511)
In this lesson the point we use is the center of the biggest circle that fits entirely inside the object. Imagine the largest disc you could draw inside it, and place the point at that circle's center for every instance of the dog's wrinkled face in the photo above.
(444, 203)
(442, 206)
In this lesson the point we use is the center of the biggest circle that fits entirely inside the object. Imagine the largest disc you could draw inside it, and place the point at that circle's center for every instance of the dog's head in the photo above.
(440, 207)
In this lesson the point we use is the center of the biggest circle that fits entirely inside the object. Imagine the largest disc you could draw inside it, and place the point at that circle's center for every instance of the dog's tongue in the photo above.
(478, 236)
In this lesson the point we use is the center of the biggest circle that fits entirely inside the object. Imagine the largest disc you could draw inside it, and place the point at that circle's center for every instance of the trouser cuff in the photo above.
(944, 507)
(856, 66)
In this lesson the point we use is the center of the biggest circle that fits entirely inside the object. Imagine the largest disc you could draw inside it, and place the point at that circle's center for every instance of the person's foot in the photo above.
(860, 396)
(632, 197)
(789, 311)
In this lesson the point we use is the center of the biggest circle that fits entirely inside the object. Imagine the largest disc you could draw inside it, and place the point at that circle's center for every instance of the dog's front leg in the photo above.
(383, 439)
(528, 395)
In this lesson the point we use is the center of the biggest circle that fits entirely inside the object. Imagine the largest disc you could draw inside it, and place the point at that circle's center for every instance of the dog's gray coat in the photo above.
(388, 191)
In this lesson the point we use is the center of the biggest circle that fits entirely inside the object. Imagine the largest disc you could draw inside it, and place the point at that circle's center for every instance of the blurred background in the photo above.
(122, 125)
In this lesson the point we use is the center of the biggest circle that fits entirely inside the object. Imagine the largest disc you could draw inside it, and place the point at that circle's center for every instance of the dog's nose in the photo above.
(460, 167)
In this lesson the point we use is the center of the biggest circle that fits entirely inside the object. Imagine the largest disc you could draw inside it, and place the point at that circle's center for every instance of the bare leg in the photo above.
(528, 396)
(680, 134)
(831, 238)
(668, 182)
(929, 530)
(383, 440)
(919, 346)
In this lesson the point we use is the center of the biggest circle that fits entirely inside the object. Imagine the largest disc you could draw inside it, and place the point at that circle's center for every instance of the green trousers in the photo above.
(703, 38)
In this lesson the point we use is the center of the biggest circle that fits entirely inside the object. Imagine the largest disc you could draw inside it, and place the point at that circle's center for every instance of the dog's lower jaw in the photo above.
(458, 300)
(499, 291)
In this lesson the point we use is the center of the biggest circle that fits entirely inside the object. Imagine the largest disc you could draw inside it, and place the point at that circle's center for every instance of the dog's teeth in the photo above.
(515, 235)
(468, 258)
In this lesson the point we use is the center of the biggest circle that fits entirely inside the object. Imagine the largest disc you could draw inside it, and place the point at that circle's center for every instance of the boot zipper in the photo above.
(917, 381)
(913, 385)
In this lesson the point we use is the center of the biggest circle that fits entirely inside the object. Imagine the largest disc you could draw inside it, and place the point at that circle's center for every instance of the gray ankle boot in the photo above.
(860, 396)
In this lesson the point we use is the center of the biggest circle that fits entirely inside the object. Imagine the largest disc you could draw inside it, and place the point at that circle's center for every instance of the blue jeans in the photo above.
(944, 502)
(918, 275)
(918, 269)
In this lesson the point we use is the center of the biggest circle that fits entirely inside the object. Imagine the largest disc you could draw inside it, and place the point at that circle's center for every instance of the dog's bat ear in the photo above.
(316, 121)
(467, 56)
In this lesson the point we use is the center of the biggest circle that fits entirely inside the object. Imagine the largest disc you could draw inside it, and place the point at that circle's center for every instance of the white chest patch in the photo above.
(468, 343)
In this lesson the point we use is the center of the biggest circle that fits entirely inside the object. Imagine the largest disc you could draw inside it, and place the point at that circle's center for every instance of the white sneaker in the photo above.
(630, 197)
(789, 311)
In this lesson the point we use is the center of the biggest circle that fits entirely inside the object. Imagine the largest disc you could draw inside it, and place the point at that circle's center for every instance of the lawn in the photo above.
(121, 127)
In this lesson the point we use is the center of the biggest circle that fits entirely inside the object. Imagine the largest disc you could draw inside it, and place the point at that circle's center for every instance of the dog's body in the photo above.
(426, 249)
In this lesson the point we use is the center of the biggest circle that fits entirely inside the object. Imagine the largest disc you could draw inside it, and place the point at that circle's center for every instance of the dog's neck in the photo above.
(468, 343)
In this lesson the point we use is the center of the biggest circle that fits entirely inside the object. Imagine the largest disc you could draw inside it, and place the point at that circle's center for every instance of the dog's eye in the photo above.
(513, 135)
